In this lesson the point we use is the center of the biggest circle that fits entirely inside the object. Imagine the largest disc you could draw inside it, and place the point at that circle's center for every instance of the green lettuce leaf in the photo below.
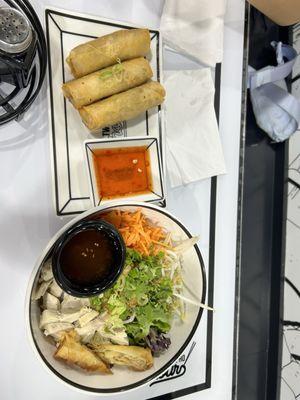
(142, 295)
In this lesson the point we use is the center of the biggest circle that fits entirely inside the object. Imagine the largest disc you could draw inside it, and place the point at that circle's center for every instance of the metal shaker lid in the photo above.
(15, 31)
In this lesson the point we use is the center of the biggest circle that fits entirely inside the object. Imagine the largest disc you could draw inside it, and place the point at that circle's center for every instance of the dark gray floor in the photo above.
(261, 264)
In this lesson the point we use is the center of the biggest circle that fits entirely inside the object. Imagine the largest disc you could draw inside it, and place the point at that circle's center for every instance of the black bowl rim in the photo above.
(172, 360)
(66, 236)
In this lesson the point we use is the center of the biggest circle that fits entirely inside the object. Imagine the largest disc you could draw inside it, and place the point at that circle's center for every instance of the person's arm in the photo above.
(282, 12)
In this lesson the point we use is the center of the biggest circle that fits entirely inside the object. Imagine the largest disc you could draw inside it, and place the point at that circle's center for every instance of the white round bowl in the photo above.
(181, 332)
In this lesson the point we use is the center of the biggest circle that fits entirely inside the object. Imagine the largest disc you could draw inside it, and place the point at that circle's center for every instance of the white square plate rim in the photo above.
(61, 210)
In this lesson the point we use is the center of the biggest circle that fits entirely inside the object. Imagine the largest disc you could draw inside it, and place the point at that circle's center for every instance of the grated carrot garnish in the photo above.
(137, 231)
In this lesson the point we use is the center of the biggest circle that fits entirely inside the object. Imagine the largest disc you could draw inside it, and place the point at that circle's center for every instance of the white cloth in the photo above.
(194, 149)
(195, 28)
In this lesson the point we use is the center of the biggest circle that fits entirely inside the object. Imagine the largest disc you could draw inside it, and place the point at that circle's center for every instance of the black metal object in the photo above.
(25, 71)
(262, 231)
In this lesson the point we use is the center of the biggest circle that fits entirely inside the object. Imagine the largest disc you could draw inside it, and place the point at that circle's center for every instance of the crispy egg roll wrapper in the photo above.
(73, 352)
(107, 81)
(122, 106)
(105, 51)
(138, 358)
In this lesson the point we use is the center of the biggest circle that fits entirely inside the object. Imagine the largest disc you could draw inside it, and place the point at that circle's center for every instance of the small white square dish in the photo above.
(124, 169)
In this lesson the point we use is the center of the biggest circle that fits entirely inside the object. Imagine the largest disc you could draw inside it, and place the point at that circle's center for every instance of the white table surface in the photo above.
(28, 220)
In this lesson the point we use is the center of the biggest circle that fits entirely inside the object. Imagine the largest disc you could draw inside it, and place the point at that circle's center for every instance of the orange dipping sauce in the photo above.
(122, 172)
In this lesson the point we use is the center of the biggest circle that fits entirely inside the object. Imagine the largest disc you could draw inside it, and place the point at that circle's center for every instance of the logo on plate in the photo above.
(114, 131)
(177, 369)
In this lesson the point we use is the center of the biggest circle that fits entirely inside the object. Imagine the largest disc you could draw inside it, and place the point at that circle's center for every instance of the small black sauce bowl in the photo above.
(120, 254)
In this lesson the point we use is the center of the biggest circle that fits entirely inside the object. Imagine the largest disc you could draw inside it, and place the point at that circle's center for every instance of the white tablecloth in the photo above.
(27, 217)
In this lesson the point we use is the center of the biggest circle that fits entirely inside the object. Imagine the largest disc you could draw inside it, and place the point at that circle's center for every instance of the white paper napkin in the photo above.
(195, 28)
(194, 149)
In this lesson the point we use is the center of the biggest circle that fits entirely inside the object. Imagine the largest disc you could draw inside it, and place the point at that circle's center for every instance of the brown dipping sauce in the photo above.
(88, 257)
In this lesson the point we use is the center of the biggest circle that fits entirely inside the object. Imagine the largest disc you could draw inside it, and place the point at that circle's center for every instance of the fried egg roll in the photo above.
(122, 106)
(72, 352)
(106, 50)
(138, 358)
(107, 81)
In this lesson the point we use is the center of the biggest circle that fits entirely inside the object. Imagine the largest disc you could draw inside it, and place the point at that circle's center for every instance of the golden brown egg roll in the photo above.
(107, 81)
(72, 352)
(138, 358)
(106, 50)
(122, 106)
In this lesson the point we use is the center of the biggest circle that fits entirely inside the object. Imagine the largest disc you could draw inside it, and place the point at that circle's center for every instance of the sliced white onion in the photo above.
(195, 303)
(130, 319)
(186, 244)
(172, 254)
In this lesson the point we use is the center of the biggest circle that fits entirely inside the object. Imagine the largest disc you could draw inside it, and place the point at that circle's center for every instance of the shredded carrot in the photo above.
(137, 231)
